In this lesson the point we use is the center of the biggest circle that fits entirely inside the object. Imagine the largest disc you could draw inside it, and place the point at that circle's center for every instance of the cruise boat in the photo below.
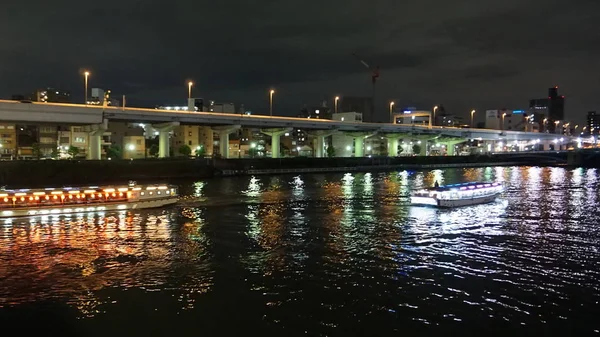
(457, 195)
(68, 200)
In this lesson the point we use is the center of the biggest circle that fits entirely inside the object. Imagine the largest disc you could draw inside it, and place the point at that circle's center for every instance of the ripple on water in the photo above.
(324, 254)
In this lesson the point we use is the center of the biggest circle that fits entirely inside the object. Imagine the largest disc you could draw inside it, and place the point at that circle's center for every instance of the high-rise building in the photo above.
(593, 123)
(551, 109)
(362, 105)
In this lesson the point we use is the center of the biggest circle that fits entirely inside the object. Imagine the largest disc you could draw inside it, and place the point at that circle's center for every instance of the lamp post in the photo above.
(472, 113)
(335, 103)
(391, 110)
(271, 102)
(503, 115)
(434, 109)
(86, 75)
(190, 84)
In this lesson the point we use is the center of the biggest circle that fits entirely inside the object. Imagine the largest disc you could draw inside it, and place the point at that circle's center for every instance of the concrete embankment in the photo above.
(49, 173)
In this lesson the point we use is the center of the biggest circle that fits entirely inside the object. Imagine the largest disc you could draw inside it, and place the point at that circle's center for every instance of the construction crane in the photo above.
(374, 76)
(374, 71)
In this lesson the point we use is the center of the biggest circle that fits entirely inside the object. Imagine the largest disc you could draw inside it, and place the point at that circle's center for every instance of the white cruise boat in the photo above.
(457, 195)
(68, 200)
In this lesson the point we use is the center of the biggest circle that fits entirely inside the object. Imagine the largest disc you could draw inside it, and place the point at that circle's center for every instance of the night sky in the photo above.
(463, 54)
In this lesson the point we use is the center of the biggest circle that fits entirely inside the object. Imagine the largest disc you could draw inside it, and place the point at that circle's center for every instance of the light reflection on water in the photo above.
(325, 253)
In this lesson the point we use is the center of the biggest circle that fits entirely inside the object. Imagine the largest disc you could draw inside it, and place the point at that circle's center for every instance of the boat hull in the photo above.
(87, 208)
(452, 203)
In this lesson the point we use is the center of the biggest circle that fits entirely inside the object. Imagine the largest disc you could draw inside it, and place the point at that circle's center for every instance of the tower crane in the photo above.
(374, 76)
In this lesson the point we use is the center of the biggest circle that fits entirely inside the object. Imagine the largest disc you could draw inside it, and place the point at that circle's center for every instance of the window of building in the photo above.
(77, 129)
(138, 142)
(5, 135)
(79, 140)
(11, 127)
(64, 140)
(190, 142)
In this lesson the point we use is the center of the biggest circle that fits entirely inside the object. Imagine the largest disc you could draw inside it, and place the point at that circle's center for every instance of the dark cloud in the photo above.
(471, 54)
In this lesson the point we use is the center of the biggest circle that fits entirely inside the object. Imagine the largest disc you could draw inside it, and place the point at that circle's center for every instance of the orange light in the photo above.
(70, 197)
(55, 197)
(5, 199)
(47, 198)
(14, 199)
(22, 198)
(92, 196)
(37, 198)
(78, 196)
(128, 194)
(115, 194)
(30, 198)
(121, 194)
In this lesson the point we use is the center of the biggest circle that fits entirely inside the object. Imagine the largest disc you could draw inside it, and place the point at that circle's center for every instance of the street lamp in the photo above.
(391, 110)
(271, 102)
(131, 147)
(190, 84)
(335, 102)
(86, 75)
(503, 115)
(472, 113)
(434, 109)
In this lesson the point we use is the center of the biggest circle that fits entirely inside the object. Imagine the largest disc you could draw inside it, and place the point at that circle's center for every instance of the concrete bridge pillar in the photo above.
(319, 141)
(163, 137)
(224, 132)
(422, 140)
(450, 144)
(359, 141)
(95, 133)
(393, 143)
(275, 139)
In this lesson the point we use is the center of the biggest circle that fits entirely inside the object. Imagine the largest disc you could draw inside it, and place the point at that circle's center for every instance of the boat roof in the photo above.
(463, 186)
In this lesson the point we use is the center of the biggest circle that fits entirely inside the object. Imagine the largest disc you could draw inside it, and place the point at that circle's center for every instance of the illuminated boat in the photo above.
(457, 195)
(68, 200)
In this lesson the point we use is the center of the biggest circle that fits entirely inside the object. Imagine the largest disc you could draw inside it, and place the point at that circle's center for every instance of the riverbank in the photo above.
(47, 173)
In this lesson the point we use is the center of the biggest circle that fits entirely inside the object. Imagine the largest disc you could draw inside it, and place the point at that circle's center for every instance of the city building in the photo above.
(221, 107)
(185, 135)
(548, 111)
(593, 123)
(318, 112)
(52, 95)
(361, 105)
(505, 119)
(134, 147)
(72, 142)
(119, 131)
(343, 145)
(48, 140)
(8, 141)
(411, 115)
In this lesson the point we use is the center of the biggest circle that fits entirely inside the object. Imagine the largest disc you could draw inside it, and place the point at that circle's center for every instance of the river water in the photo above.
(316, 255)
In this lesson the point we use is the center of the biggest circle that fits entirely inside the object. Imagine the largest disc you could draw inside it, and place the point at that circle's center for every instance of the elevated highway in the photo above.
(79, 114)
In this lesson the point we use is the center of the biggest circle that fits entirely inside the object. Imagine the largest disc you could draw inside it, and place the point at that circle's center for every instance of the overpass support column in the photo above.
(163, 137)
(319, 141)
(422, 140)
(450, 144)
(95, 133)
(275, 135)
(224, 132)
(359, 141)
(392, 144)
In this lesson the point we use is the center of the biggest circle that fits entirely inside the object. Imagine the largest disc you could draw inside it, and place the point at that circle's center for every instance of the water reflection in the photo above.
(313, 250)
